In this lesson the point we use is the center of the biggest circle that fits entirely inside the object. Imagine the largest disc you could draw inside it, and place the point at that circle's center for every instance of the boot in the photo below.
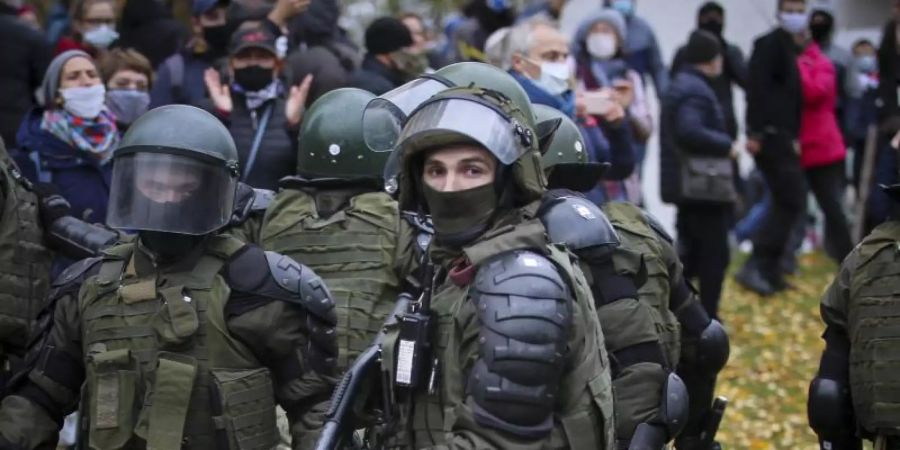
(750, 277)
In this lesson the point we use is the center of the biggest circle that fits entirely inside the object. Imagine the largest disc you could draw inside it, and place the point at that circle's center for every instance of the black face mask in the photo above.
(821, 31)
(253, 78)
(168, 247)
(216, 38)
(713, 26)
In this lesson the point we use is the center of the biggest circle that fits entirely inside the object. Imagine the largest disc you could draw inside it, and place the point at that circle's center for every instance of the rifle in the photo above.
(339, 424)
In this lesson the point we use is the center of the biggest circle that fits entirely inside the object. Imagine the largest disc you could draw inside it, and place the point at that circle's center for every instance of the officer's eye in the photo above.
(474, 170)
(435, 171)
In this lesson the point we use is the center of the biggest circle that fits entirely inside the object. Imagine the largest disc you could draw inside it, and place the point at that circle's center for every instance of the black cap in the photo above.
(257, 37)
(702, 47)
(386, 35)
(199, 7)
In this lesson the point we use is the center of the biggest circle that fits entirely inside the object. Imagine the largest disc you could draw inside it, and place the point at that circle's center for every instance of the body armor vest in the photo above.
(873, 326)
(426, 416)
(24, 261)
(162, 369)
(641, 247)
(353, 251)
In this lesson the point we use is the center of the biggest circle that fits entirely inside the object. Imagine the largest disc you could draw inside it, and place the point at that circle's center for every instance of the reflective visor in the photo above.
(454, 120)
(170, 193)
(384, 116)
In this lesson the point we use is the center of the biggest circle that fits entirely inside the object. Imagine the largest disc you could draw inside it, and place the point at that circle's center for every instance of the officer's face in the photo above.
(458, 168)
(167, 184)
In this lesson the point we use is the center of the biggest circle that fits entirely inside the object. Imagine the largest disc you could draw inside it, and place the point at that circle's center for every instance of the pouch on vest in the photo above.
(177, 320)
(113, 379)
(244, 409)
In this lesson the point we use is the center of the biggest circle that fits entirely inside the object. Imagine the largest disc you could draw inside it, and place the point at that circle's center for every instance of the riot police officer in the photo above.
(502, 349)
(184, 338)
(645, 256)
(854, 396)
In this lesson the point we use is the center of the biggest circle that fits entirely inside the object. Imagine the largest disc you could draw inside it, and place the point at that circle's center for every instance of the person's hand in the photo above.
(753, 146)
(284, 10)
(580, 104)
(296, 101)
(614, 114)
(219, 93)
(624, 92)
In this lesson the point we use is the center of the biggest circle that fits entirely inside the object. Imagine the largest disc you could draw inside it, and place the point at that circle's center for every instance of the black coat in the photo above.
(24, 56)
(277, 155)
(735, 73)
(888, 101)
(774, 92)
(691, 122)
(375, 77)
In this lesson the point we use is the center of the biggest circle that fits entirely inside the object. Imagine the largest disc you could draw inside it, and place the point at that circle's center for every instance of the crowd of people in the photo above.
(264, 123)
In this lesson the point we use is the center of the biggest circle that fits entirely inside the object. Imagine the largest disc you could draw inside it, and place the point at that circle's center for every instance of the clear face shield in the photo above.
(170, 193)
(385, 115)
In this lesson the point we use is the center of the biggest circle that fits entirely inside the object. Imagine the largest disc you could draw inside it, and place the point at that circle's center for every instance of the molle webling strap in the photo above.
(171, 398)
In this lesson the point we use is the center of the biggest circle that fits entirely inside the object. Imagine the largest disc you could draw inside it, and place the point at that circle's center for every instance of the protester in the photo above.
(888, 104)
(24, 56)
(148, 27)
(861, 113)
(28, 15)
(711, 18)
(179, 79)
(321, 49)
(694, 133)
(93, 27)
(641, 46)
(423, 42)
(69, 139)
(774, 104)
(128, 76)
(537, 58)
(483, 18)
(602, 70)
(822, 150)
(389, 61)
(262, 115)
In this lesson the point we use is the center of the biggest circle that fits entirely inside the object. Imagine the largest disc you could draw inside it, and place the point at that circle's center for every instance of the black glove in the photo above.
(52, 205)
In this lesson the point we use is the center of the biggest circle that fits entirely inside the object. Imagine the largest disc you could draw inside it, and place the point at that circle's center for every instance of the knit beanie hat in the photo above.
(386, 35)
(702, 47)
(612, 18)
(49, 87)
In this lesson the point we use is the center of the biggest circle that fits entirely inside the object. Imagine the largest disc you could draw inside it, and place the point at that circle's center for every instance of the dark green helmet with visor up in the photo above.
(566, 160)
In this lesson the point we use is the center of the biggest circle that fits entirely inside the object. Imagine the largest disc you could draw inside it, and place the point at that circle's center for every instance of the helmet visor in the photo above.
(453, 120)
(170, 193)
(384, 116)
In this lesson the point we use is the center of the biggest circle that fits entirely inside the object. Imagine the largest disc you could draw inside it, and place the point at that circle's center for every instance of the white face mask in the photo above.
(101, 37)
(602, 45)
(554, 77)
(84, 102)
(794, 23)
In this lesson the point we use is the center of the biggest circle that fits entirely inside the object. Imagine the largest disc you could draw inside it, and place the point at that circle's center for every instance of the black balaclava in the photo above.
(714, 26)
(822, 28)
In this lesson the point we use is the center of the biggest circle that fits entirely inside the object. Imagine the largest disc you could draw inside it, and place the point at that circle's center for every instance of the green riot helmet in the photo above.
(395, 106)
(566, 160)
(332, 144)
(486, 76)
(469, 116)
(176, 171)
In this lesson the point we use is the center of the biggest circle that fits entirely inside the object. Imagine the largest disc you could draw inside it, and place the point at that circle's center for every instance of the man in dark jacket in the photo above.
(711, 18)
(693, 124)
(24, 55)
(774, 104)
(388, 62)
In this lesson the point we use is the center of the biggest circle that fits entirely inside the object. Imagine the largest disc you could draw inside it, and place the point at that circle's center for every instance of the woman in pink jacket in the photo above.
(822, 150)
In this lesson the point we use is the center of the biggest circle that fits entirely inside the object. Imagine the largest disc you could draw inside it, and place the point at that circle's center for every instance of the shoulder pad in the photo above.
(306, 287)
(521, 272)
(578, 223)
(657, 227)
(78, 272)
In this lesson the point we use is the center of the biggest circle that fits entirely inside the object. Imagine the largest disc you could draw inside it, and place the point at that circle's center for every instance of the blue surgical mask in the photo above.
(867, 64)
(624, 7)
(499, 5)
(794, 22)
(127, 104)
(101, 37)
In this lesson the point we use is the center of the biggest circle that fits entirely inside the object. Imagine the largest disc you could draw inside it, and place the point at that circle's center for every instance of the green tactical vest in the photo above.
(873, 325)
(161, 364)
(24, 261)
(640, 245)
(353, 251)
(585, 402)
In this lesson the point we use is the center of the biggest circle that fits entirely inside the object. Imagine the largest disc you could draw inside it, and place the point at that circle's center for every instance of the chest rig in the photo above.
(873, 326)
(24, 261)
(163, 371)
(352, 250)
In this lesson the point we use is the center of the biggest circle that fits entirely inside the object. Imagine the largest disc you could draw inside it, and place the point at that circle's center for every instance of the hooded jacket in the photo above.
(821, 142)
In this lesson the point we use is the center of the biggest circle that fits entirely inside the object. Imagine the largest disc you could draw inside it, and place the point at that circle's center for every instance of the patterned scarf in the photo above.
(98, 137)
(256, 99)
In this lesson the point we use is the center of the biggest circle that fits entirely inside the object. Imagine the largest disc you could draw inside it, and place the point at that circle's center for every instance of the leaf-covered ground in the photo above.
(775, 350)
